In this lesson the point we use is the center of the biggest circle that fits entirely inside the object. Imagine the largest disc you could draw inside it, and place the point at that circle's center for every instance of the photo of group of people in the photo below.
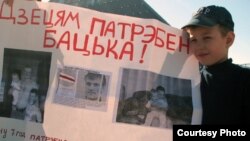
(82, 88)
(151, 99)
(25, 79)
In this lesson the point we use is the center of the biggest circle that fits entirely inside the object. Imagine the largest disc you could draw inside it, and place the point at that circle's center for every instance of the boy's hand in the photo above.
(148, 105)
(9, 2)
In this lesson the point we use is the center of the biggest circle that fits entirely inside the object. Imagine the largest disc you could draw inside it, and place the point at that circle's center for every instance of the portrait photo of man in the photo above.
(94, 84)
(82, 88)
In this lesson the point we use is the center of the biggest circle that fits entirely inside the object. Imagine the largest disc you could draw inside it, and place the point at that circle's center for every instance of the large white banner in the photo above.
(74, 74)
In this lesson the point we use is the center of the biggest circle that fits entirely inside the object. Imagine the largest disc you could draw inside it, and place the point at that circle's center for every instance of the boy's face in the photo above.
(208, 44)
(15, 77)
(161, 92)
(32, 98)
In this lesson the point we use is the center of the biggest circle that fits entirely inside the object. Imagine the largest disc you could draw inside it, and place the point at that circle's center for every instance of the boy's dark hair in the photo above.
(34, 91)
(160, 88)
(224, 30)
(210, 16)
(18, 72)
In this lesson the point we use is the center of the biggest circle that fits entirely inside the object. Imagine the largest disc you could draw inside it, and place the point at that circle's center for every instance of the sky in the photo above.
(178, 12)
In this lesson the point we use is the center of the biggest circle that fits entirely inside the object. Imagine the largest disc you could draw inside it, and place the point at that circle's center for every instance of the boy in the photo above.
(15, 87)
(225, 87)
(32, 112)
(158, 106)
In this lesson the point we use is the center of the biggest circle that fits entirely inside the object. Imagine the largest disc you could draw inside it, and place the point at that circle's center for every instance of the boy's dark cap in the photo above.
(210, 16)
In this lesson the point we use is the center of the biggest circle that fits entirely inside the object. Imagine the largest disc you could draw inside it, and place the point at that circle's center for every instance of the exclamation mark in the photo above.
(143, 52)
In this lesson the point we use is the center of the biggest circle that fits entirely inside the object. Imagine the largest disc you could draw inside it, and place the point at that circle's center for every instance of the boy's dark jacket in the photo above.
(225, 93)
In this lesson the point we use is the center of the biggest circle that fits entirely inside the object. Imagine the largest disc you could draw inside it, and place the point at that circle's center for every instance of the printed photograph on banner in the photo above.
(24, 84)
(150, 99)
(82, 88)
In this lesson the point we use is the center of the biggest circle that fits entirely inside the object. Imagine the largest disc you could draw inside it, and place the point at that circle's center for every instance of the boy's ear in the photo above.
(230, 38)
